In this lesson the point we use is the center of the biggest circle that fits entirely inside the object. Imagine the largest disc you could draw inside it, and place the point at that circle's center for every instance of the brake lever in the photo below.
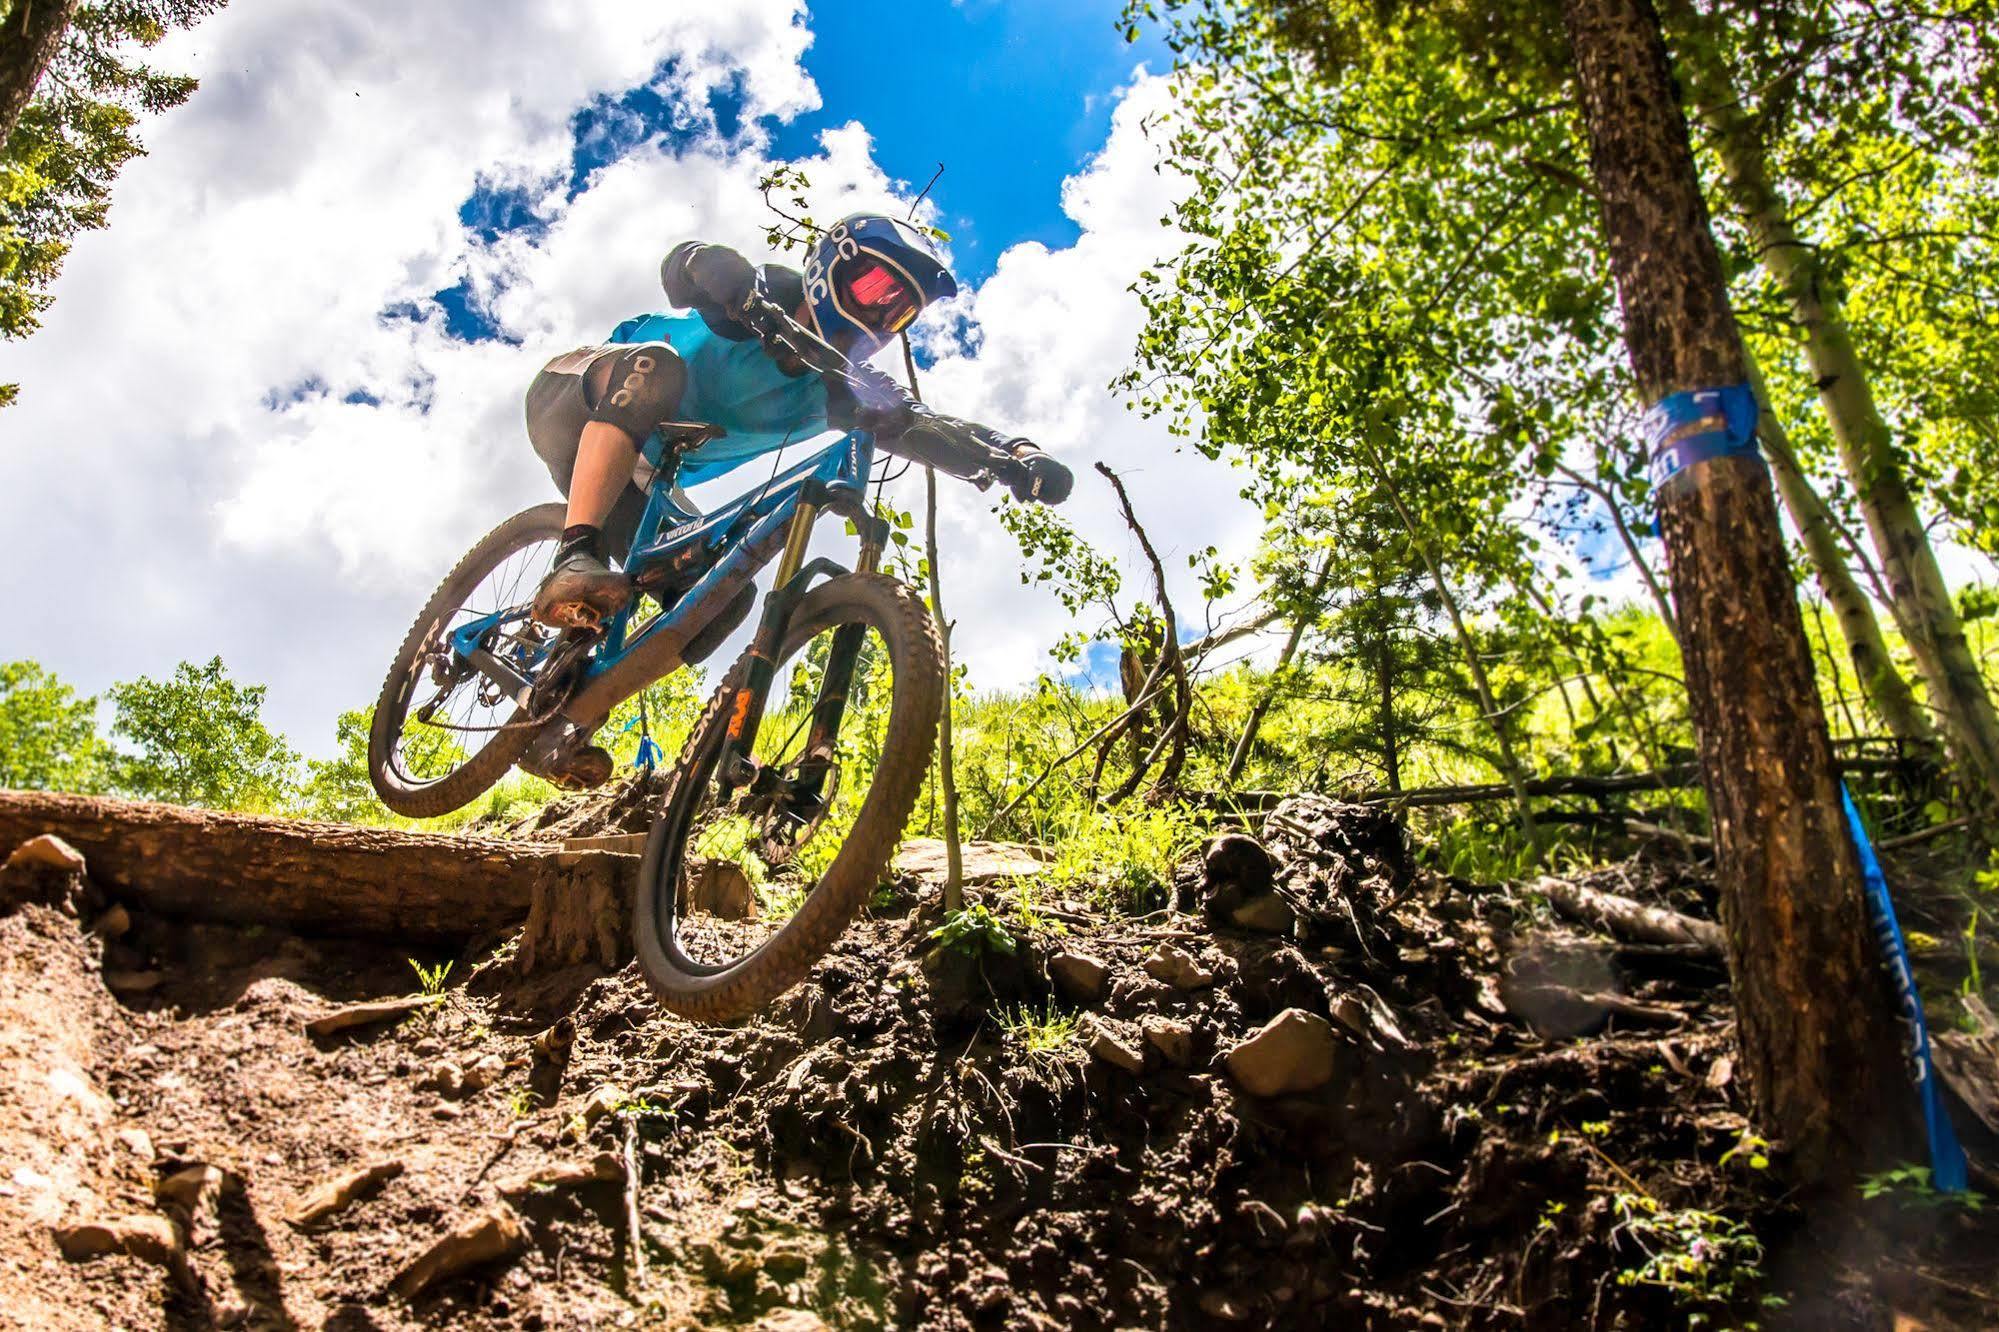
(773, 325)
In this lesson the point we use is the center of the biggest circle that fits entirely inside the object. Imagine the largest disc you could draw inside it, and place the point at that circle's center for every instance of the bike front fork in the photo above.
(746, 710)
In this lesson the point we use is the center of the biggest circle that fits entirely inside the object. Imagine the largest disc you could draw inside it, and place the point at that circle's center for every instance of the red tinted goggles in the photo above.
(876, 295)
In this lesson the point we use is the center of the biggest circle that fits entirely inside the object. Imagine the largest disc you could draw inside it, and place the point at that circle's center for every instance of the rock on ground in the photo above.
(343, 1191)
(47, 852)
(1293, 1052)
(1079, 976)
(151, 1238)
(1178, 968)
(484, 1237)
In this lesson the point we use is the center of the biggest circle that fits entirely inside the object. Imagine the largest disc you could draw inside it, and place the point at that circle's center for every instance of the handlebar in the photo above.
(775, 326)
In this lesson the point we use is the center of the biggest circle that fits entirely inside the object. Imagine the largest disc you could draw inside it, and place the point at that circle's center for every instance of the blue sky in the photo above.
(1010, 95)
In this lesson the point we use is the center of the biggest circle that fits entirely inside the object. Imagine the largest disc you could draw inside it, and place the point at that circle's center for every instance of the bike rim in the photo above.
(449, 711)
(737, 870)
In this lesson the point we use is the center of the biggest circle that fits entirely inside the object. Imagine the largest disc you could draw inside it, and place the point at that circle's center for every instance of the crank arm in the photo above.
(518, 686)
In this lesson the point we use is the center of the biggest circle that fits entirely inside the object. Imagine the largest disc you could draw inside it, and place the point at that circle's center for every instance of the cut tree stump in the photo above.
(580, 913)
(580, 910)
(325, 877)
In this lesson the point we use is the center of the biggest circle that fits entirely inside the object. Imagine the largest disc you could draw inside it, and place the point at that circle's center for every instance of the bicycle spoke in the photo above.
(752, 860)
(441, 733)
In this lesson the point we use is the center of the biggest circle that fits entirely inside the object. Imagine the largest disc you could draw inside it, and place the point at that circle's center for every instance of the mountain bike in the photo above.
(800, 773)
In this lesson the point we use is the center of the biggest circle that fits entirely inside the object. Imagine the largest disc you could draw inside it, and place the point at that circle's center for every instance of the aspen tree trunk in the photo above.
(1921, 602)
(1887, 692)
(1818, 1038)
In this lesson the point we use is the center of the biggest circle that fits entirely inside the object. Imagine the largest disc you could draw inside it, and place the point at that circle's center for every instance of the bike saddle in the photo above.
(681, 436)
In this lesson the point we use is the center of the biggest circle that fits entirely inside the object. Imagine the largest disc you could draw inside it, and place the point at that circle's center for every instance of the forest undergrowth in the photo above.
(1406, 1099)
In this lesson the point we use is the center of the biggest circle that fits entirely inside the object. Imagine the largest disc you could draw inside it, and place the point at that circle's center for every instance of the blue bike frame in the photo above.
(732, 544)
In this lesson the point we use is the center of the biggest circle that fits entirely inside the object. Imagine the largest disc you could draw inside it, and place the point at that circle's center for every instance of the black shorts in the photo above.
(575, 389)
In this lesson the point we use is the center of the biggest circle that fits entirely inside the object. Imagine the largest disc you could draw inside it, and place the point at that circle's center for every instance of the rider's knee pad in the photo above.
(637, 387)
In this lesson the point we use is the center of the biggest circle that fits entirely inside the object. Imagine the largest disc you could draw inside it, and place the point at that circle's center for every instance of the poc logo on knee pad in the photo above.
(634, 382)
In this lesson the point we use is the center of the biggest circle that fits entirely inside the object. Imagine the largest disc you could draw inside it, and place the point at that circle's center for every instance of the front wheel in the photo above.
(753, 869)
(442, 732)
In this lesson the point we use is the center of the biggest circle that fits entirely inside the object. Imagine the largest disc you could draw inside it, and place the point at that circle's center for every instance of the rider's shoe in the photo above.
(582, 590)
(583, 769)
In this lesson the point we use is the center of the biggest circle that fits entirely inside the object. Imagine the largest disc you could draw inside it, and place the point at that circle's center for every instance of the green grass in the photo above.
(1038, 1034)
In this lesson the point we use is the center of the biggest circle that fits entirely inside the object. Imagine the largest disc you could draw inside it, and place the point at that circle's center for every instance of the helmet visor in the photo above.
(876, 296)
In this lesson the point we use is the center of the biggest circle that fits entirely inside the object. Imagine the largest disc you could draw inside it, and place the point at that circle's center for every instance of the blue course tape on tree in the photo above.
(1689, 428)
(1948, 1172)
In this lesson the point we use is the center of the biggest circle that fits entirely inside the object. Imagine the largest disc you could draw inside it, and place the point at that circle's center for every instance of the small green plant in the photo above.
(781, 900)
(1700, 1257)
(642, 1108)
(1753, 1151)
(1911, 1186)
(973, 931)
(1038, 1034)
(522, 1103)
(430, 979)
(1973, 983)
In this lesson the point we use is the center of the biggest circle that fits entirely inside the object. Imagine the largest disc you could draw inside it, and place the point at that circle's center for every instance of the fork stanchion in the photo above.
(795, 543)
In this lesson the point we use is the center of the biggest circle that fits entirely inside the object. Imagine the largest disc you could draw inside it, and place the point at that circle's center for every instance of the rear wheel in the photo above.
(443, 733)
(750, 875)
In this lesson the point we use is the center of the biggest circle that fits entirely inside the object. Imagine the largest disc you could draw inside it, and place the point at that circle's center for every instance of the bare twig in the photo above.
(1922, 835)
(1120, 720)
(925, 191)
(1183, 694)
(632, 1200)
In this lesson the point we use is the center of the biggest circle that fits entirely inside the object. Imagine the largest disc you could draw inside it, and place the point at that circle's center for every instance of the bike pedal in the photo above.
(575, 615)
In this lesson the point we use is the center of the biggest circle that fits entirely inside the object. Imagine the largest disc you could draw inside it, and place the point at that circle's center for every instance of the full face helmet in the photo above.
(868, 277)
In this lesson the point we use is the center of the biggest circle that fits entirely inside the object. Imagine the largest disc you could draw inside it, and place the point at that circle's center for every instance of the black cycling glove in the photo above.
(1039, 477)
(697, 275)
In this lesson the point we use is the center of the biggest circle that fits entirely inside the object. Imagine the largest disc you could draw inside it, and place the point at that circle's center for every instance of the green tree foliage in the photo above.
(199, 739)
(48, 735)
(338, 789)
(57, 166)
(1394, 294)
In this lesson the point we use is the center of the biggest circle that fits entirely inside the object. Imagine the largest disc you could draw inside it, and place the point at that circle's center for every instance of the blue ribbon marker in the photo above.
(650, 753)
(1948, 1171)
(1695, 426)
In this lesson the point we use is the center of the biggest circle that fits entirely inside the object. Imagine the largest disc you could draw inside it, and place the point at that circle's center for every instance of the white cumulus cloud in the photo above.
(224, 445)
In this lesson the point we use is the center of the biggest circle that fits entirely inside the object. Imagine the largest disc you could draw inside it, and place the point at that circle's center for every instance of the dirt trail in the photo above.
(1062, 1135)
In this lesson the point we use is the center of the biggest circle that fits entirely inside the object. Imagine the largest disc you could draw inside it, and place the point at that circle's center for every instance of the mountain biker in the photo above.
(592, 413)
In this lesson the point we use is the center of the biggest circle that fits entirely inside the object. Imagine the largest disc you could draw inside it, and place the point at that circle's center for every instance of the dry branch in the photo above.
(1623, 918)
(1183, 693)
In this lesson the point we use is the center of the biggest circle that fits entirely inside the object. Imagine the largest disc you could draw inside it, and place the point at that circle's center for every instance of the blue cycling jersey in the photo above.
(734, 385)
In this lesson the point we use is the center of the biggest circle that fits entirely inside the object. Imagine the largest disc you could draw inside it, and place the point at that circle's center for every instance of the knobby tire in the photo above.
(476, 775)
(916, 657)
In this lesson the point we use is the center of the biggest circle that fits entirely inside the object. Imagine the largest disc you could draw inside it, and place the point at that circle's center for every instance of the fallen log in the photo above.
(1969, 1062)
(1625, 919)
(324, 877)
